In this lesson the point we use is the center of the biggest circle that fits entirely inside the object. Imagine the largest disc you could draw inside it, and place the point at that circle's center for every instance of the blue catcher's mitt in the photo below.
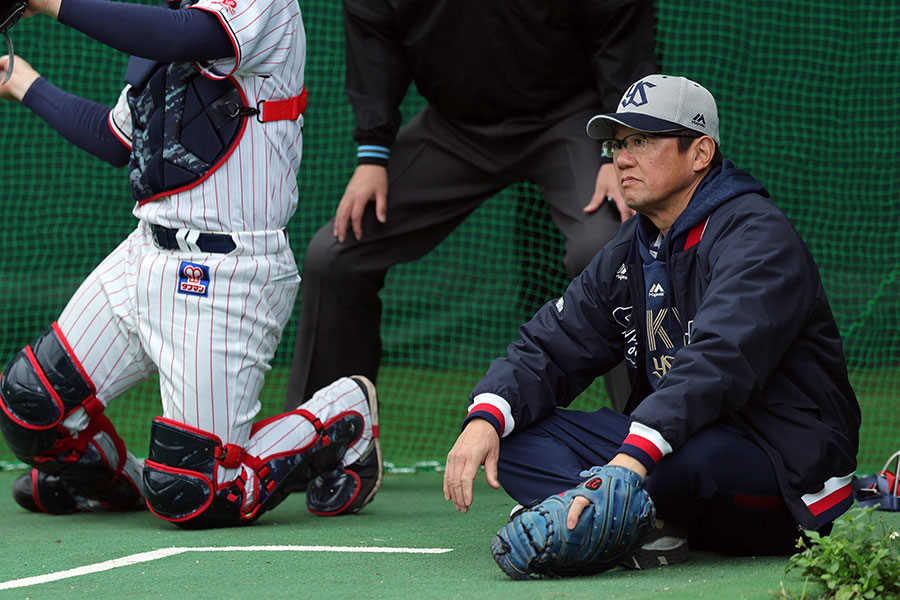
(538, 543)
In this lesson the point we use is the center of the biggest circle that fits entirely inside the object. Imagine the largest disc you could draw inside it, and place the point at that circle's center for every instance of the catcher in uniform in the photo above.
(209, 126)
(742, 426)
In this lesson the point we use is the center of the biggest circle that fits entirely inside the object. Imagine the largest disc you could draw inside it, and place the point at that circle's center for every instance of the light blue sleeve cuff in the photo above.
(368, 154)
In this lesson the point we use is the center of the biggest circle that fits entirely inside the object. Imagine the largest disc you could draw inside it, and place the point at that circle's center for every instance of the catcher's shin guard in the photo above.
(41, 387)
(345, 490)
(182, 474)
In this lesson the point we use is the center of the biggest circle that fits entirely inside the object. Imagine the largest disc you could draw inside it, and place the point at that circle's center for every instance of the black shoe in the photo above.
(666, 545)
(515, 511)
(345, 490)
(40, 492)
(43, 492)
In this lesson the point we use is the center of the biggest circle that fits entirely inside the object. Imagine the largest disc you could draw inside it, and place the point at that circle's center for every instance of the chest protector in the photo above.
(184, 126)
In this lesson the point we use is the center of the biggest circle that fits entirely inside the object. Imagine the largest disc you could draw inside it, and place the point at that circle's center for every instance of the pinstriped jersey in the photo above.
(256, 187)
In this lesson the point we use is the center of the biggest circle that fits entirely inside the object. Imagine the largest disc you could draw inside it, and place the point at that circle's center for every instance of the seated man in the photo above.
(742, 421)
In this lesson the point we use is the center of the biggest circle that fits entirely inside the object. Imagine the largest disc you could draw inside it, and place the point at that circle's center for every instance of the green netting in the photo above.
(808, 97)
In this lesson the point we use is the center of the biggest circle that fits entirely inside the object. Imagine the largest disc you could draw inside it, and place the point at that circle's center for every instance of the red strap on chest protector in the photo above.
(283, 110)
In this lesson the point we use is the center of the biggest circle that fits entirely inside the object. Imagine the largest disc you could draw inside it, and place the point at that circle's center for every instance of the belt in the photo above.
(211, 243)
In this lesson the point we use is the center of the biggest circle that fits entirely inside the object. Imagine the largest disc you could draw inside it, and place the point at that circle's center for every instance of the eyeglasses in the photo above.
(635, 143)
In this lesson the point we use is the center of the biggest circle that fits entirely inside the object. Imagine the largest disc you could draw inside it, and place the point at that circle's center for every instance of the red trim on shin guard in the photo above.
(65, 344)
(192, 429)
(34, 491)
(188, 473)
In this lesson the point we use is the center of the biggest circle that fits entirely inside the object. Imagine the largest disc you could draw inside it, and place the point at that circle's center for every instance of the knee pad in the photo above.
(181, 477)
(41, 386)
(183, 482)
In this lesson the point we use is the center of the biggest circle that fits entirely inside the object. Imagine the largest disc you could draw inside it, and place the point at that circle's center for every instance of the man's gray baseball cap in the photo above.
(661, 103)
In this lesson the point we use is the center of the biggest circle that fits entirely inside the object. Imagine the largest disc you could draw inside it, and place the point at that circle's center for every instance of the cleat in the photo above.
(40, 492)
(666, 545)
(346, 490)
(515, 511)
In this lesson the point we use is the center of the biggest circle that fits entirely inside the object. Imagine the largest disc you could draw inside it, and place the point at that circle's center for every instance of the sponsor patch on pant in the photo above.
(193, 279)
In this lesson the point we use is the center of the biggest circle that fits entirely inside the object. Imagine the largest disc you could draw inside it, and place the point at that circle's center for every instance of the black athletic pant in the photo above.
(438, 174)
(720, 485)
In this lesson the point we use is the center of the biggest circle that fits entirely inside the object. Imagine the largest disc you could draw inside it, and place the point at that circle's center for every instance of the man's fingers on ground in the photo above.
(448, 475)
(469, 473)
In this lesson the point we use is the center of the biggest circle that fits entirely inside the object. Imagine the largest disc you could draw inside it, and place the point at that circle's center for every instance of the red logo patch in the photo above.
(594, 484)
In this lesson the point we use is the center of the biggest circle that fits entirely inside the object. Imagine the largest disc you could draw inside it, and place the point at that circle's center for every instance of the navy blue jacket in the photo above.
(761, 349)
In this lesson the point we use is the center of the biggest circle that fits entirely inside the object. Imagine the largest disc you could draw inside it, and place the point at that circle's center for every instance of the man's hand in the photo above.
(608, 187)
(42, 7)
(22, 77)
(477, 445)
(579, 503)
(369, 182)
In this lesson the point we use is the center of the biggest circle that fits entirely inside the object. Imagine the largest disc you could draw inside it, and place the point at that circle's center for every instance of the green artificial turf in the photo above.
(409, 512)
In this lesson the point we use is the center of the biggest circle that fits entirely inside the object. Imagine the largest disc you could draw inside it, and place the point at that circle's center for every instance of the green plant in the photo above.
(859, 560)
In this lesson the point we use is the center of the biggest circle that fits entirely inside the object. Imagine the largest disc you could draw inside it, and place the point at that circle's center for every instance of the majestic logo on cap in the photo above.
(699, 120)
(637, 95)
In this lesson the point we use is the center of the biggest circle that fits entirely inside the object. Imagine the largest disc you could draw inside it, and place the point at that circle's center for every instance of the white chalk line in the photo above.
(143, 557)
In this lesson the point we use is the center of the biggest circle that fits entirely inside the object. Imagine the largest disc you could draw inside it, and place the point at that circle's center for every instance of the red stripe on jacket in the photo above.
(645, 445)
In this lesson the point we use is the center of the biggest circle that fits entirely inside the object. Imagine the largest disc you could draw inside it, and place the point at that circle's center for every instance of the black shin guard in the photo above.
(41, 386)
(182, 474)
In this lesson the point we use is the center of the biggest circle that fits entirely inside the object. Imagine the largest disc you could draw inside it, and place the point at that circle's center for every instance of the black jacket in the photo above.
(484, 61)
(762, 347)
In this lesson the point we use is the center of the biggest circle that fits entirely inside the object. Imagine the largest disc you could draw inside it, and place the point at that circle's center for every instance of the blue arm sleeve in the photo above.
(82, 122)
(151, 32)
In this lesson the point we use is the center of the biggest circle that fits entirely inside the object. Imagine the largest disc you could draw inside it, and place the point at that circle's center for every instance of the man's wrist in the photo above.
(481, 428)
(629, 462)
(20, 86)
(45, 7)
(482, 420)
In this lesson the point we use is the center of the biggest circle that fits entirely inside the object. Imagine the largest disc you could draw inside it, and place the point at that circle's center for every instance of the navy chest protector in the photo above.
(184, 126)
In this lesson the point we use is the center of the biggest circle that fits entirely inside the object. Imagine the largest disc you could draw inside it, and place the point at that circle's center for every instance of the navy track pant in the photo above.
(720, 485)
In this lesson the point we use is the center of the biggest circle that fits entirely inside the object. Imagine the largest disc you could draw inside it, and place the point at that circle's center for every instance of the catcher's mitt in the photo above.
(10, 13)
(538, 543)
